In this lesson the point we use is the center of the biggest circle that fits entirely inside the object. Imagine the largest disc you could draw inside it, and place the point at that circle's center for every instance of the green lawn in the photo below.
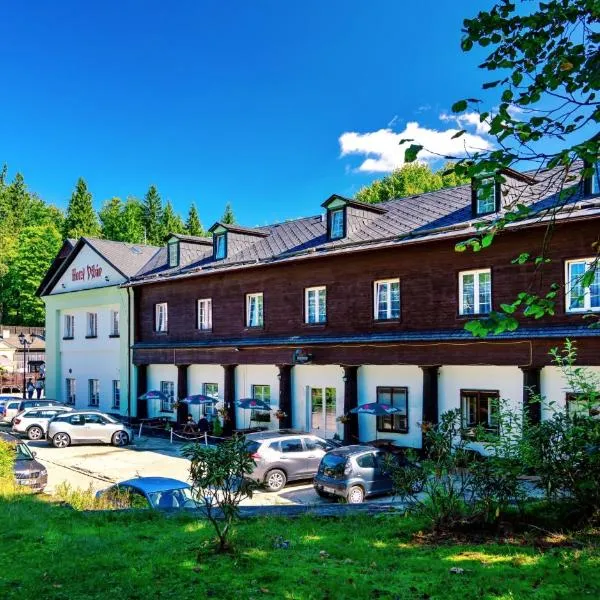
(51, 552)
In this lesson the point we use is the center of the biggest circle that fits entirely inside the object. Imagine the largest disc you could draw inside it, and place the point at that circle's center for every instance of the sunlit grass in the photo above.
(486, 558)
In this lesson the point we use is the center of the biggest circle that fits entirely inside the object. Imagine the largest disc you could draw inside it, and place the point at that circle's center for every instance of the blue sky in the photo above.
(270, 105)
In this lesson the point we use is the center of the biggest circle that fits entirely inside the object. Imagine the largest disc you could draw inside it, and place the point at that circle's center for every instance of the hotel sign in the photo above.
(89, 273)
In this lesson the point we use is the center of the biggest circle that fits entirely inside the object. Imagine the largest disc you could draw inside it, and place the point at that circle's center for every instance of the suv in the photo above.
(283, 456)
(33, 422)
(355, 472)
(28, 471)
(16, 406)
(87, 426)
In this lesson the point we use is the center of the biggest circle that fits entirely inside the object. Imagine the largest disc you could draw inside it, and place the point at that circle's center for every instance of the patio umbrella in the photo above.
(375, 408)
(253, 404)
(153, 395)
(199, 399)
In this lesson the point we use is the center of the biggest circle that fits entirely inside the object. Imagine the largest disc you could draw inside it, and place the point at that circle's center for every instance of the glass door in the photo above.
(322, 412)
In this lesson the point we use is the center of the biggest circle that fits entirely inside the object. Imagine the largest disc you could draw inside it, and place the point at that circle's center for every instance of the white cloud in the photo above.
(468, 119)
(383, 152)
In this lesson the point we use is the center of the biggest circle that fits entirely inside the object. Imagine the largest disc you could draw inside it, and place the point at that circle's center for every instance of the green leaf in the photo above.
(459, 106)
(410, 155)
(459, 133)
(487, 240)
(508, 308)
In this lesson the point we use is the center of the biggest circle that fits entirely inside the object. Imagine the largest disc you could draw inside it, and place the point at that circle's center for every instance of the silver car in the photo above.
(33, 422)
(85, 427)
(283, 456)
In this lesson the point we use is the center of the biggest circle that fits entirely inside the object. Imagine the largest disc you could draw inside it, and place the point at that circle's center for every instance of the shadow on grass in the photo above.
(58, 553)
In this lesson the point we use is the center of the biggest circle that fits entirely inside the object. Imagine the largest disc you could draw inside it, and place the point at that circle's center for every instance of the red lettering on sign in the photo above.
(93, 272)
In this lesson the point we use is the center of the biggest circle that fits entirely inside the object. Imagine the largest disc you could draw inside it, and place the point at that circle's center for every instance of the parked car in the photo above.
(355, 472)
(4, 399)
(283, 456)
(16, 405)
(87, 426)
(10, 410)
(33, 422)
(149, 492)
(28, 471)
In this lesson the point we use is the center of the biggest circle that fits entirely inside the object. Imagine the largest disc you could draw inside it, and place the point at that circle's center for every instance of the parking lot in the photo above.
(98, 466)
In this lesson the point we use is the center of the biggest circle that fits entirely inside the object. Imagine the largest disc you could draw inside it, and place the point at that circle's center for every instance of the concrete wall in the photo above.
(554, 388)
(245, 377)
(156, 374)
(198, 375)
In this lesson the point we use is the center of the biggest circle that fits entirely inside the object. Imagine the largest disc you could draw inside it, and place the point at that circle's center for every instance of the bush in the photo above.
(7, 462)
(85, 499)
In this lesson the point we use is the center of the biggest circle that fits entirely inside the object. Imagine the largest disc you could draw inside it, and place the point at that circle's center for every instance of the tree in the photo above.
(546, 63)
(122, 221)
(81, 218)
(171, 222)
(193, 226)
(35, 250)
(152, 217)
(228, 217)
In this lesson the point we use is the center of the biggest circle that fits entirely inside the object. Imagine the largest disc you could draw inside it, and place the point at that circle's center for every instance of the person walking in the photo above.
(30, 389)
(39, 388)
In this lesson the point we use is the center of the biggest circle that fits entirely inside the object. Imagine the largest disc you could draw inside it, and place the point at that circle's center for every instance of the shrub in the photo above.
(85, 499)
(7, 461)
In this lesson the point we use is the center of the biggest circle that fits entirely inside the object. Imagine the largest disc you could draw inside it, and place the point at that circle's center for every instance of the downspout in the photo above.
(130, 324)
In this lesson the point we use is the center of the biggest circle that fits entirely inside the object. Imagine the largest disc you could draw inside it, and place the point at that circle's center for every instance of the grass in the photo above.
(53, 552)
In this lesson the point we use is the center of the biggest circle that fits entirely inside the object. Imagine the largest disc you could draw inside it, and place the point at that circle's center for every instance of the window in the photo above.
(291, 445)
(77, 420)
(486, 196)
(211, 390)
(116, 393)
(479, 408)
(398, 398)
(168, 389)
(261, 392)
(315, 444)
(596, 178)
(94, 419)
(70, 390)
(336, 224)
(475, 292)
(93, 392)
(366, 461)
(114, 323)
(580, 405)
(220, 246)
(254, 310)
(92, 325)
(583, 285)
(387, 299)
(69, 330)
(173, 248)
(161, 317)
(316, 305)
(205, 314)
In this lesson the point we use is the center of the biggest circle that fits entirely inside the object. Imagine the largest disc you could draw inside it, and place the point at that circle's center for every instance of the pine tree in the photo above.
(152, 217)
(228, 217)
(81, 218)
(171, 222)
(193, 226)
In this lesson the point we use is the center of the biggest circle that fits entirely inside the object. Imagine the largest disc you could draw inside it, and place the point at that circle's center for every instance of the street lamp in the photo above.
(25, 343)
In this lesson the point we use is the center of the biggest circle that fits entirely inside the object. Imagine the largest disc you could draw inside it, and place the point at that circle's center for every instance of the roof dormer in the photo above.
(485, 196)
(345, 215)
(231, 239)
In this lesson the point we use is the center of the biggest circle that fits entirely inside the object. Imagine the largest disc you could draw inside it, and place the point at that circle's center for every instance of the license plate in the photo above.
(329, 490)
(26, 481)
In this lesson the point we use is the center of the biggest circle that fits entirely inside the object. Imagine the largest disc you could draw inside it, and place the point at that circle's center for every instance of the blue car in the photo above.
(162, 493)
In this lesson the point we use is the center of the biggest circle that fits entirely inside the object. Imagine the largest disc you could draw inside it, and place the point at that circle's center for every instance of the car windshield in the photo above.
(333, 465)
(23, 452)
(172, 498)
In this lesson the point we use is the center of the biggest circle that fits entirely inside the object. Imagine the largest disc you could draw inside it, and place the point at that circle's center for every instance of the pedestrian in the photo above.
(30, 389)
(39, 388)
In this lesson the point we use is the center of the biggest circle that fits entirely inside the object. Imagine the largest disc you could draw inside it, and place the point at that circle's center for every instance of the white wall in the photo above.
(554, 387)
(156, 374)
(245, 377)
(411, 377)
(198, 375)
(305, 376)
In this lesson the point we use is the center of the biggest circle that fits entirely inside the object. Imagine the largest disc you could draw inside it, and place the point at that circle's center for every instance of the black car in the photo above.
(355, 472)
(28, 471)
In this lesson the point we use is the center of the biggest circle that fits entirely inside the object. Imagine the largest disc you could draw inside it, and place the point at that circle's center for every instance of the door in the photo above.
(293, 458)
(95, 429)
(315, 450)
(77, 428)
(322, 411)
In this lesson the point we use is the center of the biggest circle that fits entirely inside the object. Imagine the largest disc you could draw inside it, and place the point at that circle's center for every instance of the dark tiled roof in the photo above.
(439, 335)
(429, 215)
(192, 239)
(127, 258)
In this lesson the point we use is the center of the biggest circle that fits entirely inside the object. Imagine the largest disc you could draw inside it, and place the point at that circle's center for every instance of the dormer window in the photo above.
(591, 185)
(220, 246)
(486, 196)
(173, 250)
(336, 224)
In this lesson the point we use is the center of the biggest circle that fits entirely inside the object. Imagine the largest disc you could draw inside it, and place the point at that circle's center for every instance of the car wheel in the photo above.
(355, 495)
(275, 480)
(61, 440)
(35, 433)
(120, 438)
(323, 494)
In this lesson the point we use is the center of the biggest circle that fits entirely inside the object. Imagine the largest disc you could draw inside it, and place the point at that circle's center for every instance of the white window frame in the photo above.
(336, 229)
(116, 393)
(250, 299)
(93, 392)
(587, 292)
(204, 314)
(491, 199)
(220, 246)
(173, 252)
(209, 409)
(161, 317)
(389, 311)
(70, 391)
(317, 305)
(476, 306)
(92, 325)
(595, 187)
(167, 388)
(69, 325)
(114, 323)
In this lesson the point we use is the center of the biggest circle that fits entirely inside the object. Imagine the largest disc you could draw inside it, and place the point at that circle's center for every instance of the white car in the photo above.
(33, 422)
(10, 409)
